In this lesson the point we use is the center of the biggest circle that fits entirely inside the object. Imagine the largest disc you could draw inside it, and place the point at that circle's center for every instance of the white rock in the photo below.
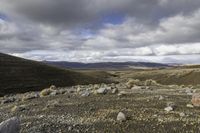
(121, 117)
(136, 87)
(11, 125)
(161, 98)
(168, 109)
(122, 93)
(181, 114)
(102, 91)
(114, 91)
(85, 94)
(189, 106)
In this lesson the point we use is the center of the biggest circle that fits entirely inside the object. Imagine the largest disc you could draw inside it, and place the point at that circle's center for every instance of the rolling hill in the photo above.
(21, 75)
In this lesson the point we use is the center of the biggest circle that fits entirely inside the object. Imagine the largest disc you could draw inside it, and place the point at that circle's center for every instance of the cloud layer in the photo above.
(79, 30)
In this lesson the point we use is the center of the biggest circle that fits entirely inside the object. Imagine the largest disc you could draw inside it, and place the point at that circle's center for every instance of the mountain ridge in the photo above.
(108, 65)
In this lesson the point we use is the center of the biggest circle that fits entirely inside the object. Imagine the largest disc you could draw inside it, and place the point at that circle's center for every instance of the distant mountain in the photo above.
(21, 75)
(107, 65)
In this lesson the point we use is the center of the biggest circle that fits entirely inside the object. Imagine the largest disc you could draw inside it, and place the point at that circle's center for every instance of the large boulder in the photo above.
(196, 99)
(11, 125)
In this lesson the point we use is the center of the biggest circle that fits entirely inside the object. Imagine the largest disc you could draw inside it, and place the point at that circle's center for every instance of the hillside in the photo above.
(178, 76)
(107, 65)
(21, 75)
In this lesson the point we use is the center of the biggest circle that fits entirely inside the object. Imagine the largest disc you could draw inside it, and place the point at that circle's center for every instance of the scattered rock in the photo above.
(45, 92)
(79, 89)
(11, 125)
(114, 91)
(85, 93)
(189, 91)
(121, 117)
(52, 104)
(121, 86)
(189, 106)
(181, 114)
(8, 100)
(122, 93)
(196, 99)
(160, 98)
(150, 82)
(18, 108)
(54, 93)
(133, 82)
(102, 91)
(96, 86)
(136, 87)
(52, 87)
(168, 109)
(171, 104)
(30, 96)
(70, 128)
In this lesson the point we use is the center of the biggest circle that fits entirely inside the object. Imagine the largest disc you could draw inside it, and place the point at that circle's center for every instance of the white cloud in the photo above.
(159, 33)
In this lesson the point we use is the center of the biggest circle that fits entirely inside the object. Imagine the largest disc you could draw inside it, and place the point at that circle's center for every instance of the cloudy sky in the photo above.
(166, 31)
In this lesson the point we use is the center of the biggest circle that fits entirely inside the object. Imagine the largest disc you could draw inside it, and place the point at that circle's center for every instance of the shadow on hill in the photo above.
(21, 75)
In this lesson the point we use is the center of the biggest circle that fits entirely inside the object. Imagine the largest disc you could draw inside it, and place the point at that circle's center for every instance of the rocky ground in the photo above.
(126, 107)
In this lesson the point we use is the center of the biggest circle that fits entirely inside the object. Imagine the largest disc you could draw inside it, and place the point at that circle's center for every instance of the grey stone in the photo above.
(85, 94)
(114, 91)
(8, 100)
(11, 125)
(169, 108)
(102, 91)
(121, 117)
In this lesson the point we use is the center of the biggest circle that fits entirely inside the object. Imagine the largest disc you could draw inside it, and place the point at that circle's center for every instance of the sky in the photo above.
(164, 31)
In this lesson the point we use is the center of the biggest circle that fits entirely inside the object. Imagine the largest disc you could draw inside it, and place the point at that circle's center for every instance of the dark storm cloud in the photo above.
(70, 12)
